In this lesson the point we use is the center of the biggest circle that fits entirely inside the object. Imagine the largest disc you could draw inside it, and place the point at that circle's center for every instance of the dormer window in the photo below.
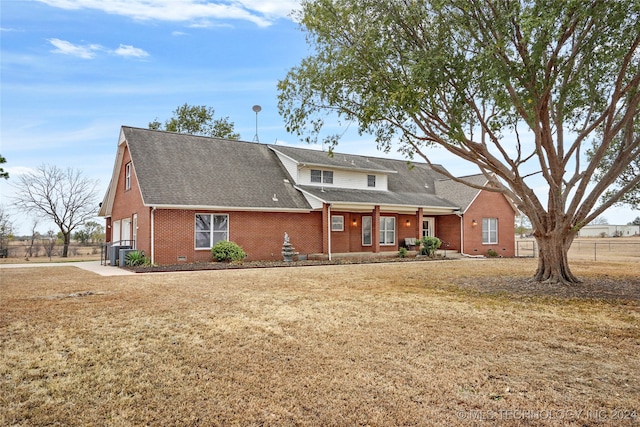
(322, 177)
(371, 180)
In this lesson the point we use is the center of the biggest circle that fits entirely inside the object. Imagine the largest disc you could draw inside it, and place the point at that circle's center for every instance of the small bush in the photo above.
(402, 253)
(136, 258)
(491, 253)
(224, 251)
(429, 245)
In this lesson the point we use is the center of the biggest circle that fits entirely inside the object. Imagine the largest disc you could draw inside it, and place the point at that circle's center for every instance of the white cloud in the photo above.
(19, 170)
(260, 12)
(67, 48)
(130, 51)
(88, 51)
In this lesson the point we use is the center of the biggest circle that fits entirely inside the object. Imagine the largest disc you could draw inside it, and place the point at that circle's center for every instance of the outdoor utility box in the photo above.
(115, 253)
(123, 255)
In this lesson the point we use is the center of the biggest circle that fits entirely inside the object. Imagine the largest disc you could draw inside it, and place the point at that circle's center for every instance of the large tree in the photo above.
(519, 88)
(65, 197)
(197, 120)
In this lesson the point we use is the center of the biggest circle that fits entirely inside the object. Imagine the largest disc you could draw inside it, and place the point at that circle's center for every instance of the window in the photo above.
(371, 180)
(337, 223)
(387, 230)
(489, 230)
(127, 176)
(320, 176)
(210, 229)
(366, 231)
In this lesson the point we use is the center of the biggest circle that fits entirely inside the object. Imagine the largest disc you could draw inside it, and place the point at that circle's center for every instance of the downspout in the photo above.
(461, 232)
(462, 239)
(329, 230)
(153, 237)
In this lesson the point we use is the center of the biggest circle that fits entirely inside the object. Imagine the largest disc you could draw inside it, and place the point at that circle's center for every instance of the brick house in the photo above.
(174, 195)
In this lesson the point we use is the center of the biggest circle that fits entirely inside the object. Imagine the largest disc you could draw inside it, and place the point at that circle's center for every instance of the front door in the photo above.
(115, 232)
(428, 226)
(126, 231)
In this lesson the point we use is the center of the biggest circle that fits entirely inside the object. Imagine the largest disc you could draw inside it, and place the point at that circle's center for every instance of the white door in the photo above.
(126, 231)
(428, 225)
(134, 230)
(115, 232)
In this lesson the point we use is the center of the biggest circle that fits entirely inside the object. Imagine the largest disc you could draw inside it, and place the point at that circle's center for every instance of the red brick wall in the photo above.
(126, 204)
(260, 234)
(489, 205)
(448, 230)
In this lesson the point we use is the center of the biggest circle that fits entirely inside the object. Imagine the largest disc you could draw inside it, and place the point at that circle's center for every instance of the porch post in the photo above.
(419, 216)
(375, 229)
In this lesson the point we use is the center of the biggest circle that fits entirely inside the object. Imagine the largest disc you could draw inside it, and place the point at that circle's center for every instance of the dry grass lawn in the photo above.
(349, 345)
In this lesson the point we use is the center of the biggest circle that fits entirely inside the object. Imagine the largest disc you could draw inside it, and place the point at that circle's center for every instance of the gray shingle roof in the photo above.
(369, 197)
(187, 170)
(459, 194)
(193, 171)
(338, 160)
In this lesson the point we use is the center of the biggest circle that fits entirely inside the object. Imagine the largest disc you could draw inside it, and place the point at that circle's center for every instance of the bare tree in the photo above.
(64, 196)
(32, 244)
(49, 243)
(6, 232)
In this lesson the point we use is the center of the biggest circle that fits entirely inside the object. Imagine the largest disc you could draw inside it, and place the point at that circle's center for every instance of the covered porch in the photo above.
(357, 231)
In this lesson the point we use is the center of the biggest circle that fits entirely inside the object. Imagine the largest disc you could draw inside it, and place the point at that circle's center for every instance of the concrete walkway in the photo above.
(92, 266)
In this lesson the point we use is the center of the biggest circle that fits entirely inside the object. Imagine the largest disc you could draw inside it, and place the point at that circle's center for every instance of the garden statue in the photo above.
(288, 251)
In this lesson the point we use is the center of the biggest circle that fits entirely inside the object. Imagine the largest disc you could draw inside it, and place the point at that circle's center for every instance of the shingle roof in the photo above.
(459, 194)
(337, 160)
(370, 197)
(187, 170)
(193, 171)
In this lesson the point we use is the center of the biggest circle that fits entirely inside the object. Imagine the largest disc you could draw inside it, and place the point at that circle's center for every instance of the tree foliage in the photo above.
(519, 88)
(197, 120)
(65, 197)
(92, 232)
(626, 178)
(3, 174)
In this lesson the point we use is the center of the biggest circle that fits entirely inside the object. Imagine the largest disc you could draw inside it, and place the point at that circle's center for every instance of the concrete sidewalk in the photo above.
(92, 266)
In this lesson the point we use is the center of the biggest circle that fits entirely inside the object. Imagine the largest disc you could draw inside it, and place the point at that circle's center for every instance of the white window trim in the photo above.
(337, 225)
(323, 176)
(127, 176)
(382, 230)
(364, 228)
(195, 230)
(489, 241)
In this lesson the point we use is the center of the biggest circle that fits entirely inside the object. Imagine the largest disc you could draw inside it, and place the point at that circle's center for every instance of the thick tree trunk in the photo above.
(553, 263)
(65, 247)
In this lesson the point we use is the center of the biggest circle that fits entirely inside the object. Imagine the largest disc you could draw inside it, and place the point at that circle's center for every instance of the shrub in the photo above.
(224, 251)
(429, 245)
(402, 253)
(136, 258)
(491, 253)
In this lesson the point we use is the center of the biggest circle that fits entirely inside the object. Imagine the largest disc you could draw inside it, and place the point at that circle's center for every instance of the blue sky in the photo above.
(74, 71)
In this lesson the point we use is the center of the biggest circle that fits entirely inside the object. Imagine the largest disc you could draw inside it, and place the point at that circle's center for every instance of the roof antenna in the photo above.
(256, 109)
